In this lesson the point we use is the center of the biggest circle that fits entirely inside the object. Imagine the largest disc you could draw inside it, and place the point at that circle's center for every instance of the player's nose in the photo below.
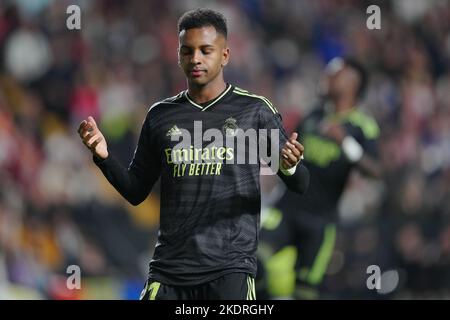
(196, 57)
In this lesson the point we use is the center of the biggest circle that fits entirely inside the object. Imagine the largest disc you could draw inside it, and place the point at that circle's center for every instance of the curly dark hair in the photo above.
(363, 76)
(203, 18)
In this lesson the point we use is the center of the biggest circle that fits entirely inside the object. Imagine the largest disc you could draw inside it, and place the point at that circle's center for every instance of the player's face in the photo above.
(202, 54)
(337, 83)
(344, 82)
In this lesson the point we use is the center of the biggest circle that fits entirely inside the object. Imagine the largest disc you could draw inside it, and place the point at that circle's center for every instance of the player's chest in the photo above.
(322, 150)
(208, 126)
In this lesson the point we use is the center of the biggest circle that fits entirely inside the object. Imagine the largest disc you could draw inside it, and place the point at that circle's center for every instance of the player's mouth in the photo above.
(196, 73)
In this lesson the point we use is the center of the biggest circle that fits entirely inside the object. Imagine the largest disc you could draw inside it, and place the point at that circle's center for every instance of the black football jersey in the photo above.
(210, 201)
(328, 166)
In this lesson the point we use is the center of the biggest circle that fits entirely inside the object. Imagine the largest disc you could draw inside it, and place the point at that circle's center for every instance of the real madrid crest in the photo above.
(230, 127)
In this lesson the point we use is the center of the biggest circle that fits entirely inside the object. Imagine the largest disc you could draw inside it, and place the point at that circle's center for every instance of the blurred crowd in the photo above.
(56, 209)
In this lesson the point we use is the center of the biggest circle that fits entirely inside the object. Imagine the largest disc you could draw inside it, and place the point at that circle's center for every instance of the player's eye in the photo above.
(185, 51)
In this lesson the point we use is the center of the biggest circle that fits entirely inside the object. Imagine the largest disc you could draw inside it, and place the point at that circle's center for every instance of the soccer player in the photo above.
(298, 233)
(210, 203)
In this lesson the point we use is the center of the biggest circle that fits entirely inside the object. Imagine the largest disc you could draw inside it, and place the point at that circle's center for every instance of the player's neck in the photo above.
(205, 93)
(344, 104)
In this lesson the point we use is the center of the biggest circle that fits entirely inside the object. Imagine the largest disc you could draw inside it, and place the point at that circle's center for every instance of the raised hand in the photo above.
(93, 138)
(333, 130)
(292, 152)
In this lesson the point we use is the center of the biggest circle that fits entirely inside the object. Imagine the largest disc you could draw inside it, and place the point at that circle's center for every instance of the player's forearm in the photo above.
(299, 181)
(363, 161)
(128, 184)
(370, 167)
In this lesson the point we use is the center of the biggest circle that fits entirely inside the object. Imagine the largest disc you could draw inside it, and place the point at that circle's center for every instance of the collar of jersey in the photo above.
(212, 102)
(334, 116)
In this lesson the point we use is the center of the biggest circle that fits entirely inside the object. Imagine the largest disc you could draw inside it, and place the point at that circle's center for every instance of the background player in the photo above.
(299, 233)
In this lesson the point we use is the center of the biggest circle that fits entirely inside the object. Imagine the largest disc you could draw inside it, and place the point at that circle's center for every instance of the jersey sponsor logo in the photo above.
(198, 161)
(191, 154)
(236, 146)
(196, 169)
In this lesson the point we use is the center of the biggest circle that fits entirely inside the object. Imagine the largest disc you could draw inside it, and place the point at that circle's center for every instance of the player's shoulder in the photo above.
(366, 122)
(255, 99)
(159, 106)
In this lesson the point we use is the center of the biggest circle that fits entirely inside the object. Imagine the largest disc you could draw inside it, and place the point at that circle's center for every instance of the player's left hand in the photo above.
(292, 152)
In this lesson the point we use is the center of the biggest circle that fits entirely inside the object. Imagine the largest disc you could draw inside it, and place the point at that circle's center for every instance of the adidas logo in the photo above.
(174, 131)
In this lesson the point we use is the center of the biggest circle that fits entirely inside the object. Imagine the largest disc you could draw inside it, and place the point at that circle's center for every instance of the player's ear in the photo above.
(225, 56)
(178, 57)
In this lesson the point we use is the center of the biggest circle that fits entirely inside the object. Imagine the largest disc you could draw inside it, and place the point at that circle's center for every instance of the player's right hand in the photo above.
(93, 138)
